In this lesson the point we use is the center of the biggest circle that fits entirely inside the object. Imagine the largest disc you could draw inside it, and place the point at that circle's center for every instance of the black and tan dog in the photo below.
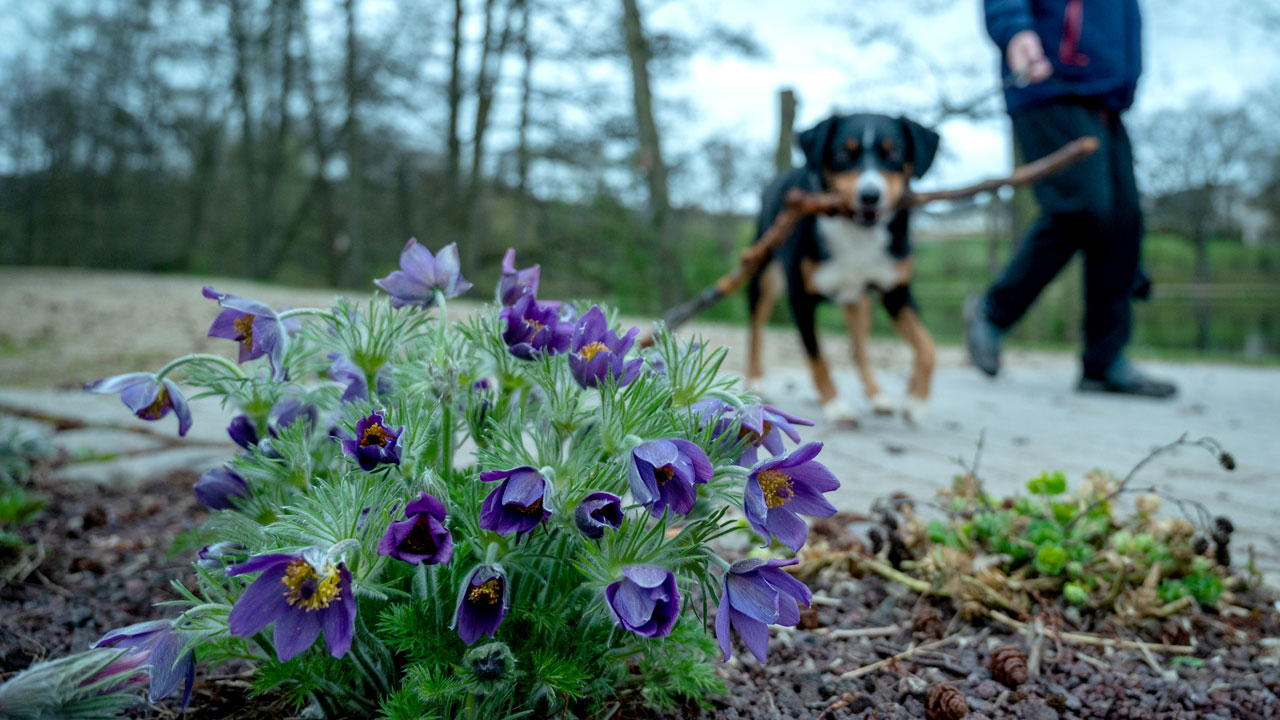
(870, 159)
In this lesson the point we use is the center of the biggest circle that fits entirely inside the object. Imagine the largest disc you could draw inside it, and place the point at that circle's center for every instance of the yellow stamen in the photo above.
(664, 474)
(156, 409)
(533, 508)
(777, 488)
(488, 593)
(244, 328)
(745, 432)
(307, 589)
(375, 434)
(589, 351)
(537, 327)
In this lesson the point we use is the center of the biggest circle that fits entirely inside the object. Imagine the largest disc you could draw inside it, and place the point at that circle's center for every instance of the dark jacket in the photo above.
(1095, 47)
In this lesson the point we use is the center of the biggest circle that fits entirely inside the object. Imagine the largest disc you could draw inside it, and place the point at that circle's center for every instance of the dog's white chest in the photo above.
(857, 257)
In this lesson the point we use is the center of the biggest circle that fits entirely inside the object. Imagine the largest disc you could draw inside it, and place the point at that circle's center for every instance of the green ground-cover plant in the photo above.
(508, 517)
(21, 451)
(1005, 553)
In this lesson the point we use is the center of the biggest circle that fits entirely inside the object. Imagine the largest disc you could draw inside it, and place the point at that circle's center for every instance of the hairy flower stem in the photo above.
(446, 439)
(295, 312)
(199, 357)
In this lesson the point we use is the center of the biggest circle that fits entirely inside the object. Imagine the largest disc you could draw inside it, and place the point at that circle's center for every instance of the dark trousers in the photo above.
(1091, 207)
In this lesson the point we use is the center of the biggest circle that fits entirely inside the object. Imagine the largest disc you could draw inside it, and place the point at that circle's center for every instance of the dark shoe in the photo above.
(1126, 379)
(981, 337)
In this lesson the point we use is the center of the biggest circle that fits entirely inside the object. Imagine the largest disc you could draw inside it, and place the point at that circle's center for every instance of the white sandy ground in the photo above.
(61, 327)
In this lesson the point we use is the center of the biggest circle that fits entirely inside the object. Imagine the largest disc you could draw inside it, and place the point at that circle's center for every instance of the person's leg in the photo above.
(1069, 203)
(1072, 204)
(1111, 263)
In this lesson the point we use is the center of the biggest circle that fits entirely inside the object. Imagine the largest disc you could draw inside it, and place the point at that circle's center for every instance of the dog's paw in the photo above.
(915, 410)
(838, 412)
(881, 404)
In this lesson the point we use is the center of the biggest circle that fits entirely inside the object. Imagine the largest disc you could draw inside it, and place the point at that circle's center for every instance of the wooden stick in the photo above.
(1096, 640)
(799, 204)
(893, 658)
(848, 633)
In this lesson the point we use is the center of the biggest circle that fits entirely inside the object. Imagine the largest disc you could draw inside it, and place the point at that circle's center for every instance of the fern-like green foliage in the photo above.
(76, 687)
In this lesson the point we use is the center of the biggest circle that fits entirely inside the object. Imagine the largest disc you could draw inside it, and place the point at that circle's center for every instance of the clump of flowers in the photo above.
(368, 569)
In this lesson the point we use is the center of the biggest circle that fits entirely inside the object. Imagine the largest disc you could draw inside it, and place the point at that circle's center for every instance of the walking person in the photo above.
(1080, 60)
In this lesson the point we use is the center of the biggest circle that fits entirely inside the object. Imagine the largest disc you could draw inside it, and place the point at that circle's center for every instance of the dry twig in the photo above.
(865, 669)
(1095, 640)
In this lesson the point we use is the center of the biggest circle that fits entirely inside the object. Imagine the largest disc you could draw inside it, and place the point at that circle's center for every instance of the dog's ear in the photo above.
(814, 141)
(923, 146)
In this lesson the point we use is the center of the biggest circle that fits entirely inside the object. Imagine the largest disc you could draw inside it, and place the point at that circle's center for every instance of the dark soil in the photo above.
(107, 561)
(1231, 675)
(108, 558)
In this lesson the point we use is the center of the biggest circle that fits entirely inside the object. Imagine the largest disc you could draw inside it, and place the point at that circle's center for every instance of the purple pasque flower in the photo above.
(596, 351)
(663, 474)
(421, 274)
(758, 594)
(157, 645)
(482, 603)
(344, 370)
(252, 324)
(302, 596)
(764, 425)
(212, 557)
(243, 432)
(288, 410)
(374, 442)
(598, 511)
(781, 487)
(515, 284)
(148, 398)
(533, 328)
(219, 488)
(645, 601)
(517, 504)
(421, 537)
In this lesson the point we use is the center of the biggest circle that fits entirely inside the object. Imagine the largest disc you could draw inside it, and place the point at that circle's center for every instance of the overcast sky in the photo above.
(1192, 48)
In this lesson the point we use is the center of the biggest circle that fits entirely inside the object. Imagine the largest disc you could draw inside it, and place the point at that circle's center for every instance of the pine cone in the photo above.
(1201, 545)
(1008, 665)
(945, 703)
(1223, 524)
(928, 623)
(1173, 632)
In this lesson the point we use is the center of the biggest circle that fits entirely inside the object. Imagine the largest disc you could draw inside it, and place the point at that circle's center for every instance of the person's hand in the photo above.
(1026, 57)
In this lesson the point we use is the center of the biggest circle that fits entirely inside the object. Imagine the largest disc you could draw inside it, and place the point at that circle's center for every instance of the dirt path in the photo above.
(61, 327)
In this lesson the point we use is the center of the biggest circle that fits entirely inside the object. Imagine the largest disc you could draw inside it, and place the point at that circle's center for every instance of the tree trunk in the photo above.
(320, 146)
(522, 145)
(355, 266)
(254, 235)
(786, 126)
(453, 144)
(667, 277)
(486, 79)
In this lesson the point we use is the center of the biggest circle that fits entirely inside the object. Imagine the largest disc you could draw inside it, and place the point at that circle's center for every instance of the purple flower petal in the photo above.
(754, 634)
(263, 601)
(295, 631)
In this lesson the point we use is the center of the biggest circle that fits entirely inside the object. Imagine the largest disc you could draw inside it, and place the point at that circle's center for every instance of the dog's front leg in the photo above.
(857, 320)
(908, 325)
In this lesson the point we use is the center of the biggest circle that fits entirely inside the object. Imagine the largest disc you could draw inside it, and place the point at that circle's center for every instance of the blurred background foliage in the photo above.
(303, 141)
